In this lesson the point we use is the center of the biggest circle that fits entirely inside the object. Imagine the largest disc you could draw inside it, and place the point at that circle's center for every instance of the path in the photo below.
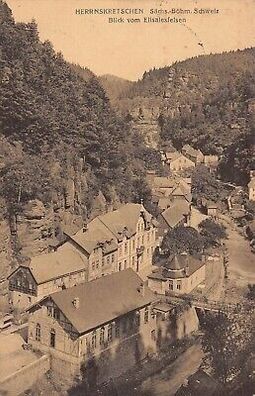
(168, 381)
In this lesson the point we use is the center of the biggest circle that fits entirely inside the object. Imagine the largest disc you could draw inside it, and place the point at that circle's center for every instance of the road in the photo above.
(172, 377)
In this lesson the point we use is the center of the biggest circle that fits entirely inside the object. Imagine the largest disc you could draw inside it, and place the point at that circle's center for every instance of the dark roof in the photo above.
(102, 300)
(200, 384)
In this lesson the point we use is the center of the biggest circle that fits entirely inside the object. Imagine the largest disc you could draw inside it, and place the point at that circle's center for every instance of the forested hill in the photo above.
(53, 113)
(114, 86)
(205, 101)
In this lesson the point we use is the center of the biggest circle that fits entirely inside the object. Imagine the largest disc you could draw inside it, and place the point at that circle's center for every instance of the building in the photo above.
(175, 215)
(178, 274)
(194, 155)
(107, 323)
(46, 274)
(121, 239)
(211, 161)
(251, 189)
(177, 162)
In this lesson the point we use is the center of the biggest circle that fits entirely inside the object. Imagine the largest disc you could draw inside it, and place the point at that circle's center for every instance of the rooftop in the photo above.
(174, 214)
(49, 266)
(102, 300)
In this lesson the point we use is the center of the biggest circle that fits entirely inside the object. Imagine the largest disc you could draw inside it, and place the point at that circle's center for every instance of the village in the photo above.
(130, 285)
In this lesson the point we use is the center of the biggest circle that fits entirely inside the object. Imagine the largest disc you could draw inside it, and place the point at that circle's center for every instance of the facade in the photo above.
(121, 239)
(177, 162)
(108, 321)
(46, 274)
(180, 274)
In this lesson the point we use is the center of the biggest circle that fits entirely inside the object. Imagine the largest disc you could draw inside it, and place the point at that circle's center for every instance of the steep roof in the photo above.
(54, 265)
(102, 300)
(174, 214)
(174, 267)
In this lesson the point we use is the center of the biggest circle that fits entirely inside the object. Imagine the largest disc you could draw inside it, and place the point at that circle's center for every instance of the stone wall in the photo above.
(24, 378)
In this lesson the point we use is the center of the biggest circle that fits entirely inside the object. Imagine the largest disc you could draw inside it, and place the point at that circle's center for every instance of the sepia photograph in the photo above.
(127, 198)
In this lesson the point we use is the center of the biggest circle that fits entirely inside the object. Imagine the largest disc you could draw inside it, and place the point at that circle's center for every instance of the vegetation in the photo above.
(183, 239)
(211, 232)
(251, 292)
(205, 185)
(52, 113)
(206, 102)
(227, 341)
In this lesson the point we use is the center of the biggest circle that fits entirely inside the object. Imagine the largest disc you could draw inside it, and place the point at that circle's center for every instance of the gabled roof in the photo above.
(173, 156)
(65, 260)
(102, 300)
(187, 149)
(163, 182)
(174, 214)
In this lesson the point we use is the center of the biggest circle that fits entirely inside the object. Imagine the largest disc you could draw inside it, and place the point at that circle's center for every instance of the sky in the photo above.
(127, 50)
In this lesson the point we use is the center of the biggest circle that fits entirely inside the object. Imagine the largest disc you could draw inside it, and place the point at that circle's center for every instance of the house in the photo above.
(176, 162)
(46, 274)
(194, 155)
(175, 215)
(201, 384)
(107, 323)
(121, 239)
(251, 188)
(210, 207)
(179, 274)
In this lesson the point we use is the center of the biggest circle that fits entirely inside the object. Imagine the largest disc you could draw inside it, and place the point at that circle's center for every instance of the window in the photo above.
(94, 340)
(109, 336)
(52, 338)
(93, 266)
(126, 247)
(30, 286)
(101, 336)
(171, 285)
(133, 243)
(120, 250)
(125, 264)
(38, 332)
(119, 266)
(117, 330)
(178, 285)
(97, 264)
(102, 261)
(113, 258)
(133, 261)
(108, 260)
(146, 315)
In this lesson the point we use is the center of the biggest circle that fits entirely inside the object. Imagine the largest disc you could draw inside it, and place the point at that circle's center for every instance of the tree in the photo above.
(211, 232)
(227, 341)
(183, 239)
(251, 292)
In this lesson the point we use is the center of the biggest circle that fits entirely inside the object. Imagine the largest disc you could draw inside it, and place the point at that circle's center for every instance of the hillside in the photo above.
(207, 101)
(114, 86)
(65, 155)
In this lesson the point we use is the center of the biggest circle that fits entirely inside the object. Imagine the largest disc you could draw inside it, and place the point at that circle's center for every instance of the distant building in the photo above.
(211, 161)
(108, 323)
(177, 162)
(179, 274)
(194, 155)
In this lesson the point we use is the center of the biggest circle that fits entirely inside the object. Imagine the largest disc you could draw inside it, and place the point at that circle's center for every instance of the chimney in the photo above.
(76, 302)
